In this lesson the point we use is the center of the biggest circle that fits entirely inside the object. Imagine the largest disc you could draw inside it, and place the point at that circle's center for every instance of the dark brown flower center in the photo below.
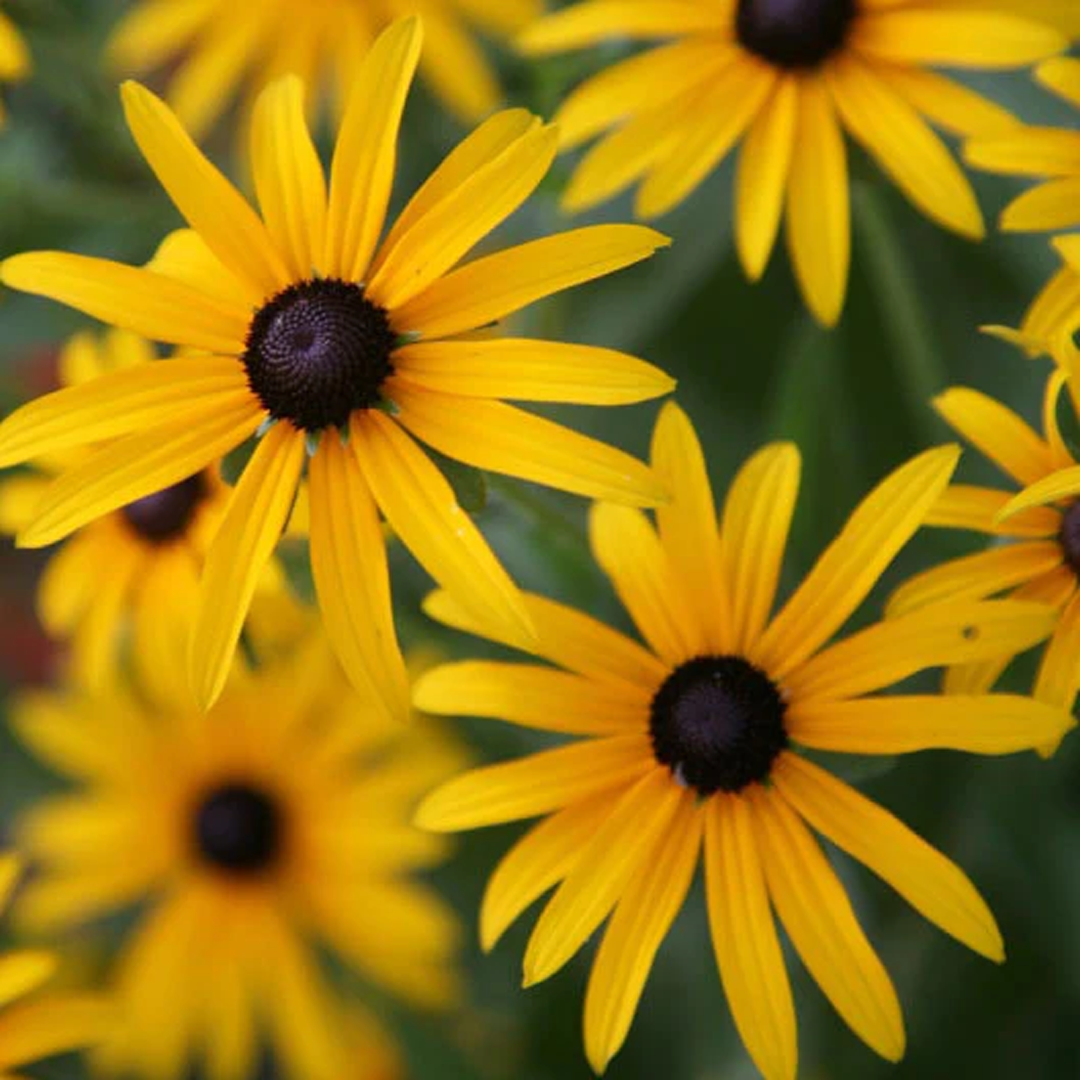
(1069, 536)
(718, 723)
(794, 33)
(167, 515)
(238, 829)
(317, 351)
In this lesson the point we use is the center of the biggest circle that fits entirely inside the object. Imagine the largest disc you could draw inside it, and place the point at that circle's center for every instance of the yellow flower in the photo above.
(277, 822)
(787, 78)
(1036, 554)
(691, 740)
(231, 47)
(14, 57)
(314, 328)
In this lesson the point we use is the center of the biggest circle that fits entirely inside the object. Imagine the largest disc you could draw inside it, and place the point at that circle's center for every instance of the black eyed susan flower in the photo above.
(787, 78)
(14, 56)
(277, 822)
(691, 749)
(332, 346)
(237, 47)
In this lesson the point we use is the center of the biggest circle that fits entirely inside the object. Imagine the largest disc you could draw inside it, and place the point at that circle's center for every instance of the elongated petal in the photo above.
(23, 970)
(962, 506)
(1062, 76)
(145, 302)
(128, 400)
(988, 724)
(534, 696)
(53, 1025)
(637, 928)
(1059, 672)
(818, 917)
(244, 542)
(639, 823)
(348, 560)
(362, 173)
(210, 204)
(1049, 206)
(524, 370)
(1063, 484)
(488, 289)
(536, 784)
(744, 938)
(945, 102)
(1027, 151)
(421, 508)
(502, 438)
(141, 464)
(849, 567)
(96, 645)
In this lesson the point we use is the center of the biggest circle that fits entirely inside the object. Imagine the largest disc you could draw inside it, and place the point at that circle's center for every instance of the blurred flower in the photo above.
(252, 834)
(790, 76)
(301, 349)
(14, 57)
(240, 46)
(691, 741)
(1035, 555)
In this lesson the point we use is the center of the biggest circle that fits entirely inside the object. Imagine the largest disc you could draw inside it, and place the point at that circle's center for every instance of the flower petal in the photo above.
(1053, 205)
(962, 506)
(24, 970)
(52, 1025)
(1058, 486)
(945, 102)
(1059, 672)
(1027, 151)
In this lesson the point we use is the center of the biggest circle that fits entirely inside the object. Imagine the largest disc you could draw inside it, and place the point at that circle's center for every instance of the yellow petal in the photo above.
(96, 649)
(14, 56)
(1060, 485)
(945, 102)
(488, 289)
(638, 826)
(67, 582)
(145, 302)
(499, 437)
(1062, 76)
(524, 370)
(1059, 672)
(923, 876)
(348, 561)
(11, 869)
(456, 66)
(1056, 305)
(977, 678)
(537, 784)
(53, 1025)
(141, 464)
(184, 256)
(209, 203)
(420, 507)
(19, 496)
(24, 970)
(1049, 206)
(534, 696)
(818, 917)
(745, 941)
(362, 173)
(246, 538)
(850, 566)
(638, 927)
(987, 724)
(1027, 151)
(962, 506)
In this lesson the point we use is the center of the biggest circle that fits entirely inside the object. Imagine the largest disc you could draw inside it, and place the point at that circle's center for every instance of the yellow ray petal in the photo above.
(627, 549)
(923, 876)
(53, 1025)
(289, 177)
(246, 538)
(98, 637)
(1027, 151)
(1062, 76)
(818, 917)
(67, 582)
(638, 825)
(19, 496)
(210, 204)
(1053, 205)
(231, 1036)
(849, 567)
(488, 289)
(745, 941)
(533, 696)
(538, 784)
(420, 506)
(1063, 484)
(954, 632)
(639, 925)
(962, 506)
(132, 399)
(818, 207)
(540, 859)
(525, 370)
(1059, 672)
(24, 970)
(945, 102)
(904, 146)
(988, 724)
(147, 303)
(141, 464)
(184, 256)
(362, 173)
(1057, 304)
(977, 678)
(348, 561)
(502, 438)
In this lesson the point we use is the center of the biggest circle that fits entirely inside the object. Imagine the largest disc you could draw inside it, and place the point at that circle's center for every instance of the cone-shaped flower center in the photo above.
(166, 515)
(1069, 537)
(794, 33)
(238, 828)
(718, 723)
(317, 351)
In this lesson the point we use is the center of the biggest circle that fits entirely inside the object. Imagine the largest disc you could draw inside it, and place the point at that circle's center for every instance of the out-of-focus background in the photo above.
(752, 367)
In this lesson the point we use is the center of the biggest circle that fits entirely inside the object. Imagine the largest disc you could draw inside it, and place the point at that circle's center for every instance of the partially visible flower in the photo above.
(14, 56)
(231, 48)
(693, 748)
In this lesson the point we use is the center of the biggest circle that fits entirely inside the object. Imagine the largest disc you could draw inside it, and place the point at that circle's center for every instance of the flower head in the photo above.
(787, 78)
(328, 344)
(693, 748)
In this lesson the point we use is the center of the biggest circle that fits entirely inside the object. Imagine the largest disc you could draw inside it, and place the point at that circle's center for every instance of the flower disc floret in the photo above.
(238, 828)
(794, 33)
(168, 514)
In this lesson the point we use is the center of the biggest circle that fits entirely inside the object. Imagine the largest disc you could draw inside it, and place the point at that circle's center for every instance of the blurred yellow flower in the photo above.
(787, 78)
(14, 56)
(250, 835)
(690, 748)
(237, 47)
(334, 347)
